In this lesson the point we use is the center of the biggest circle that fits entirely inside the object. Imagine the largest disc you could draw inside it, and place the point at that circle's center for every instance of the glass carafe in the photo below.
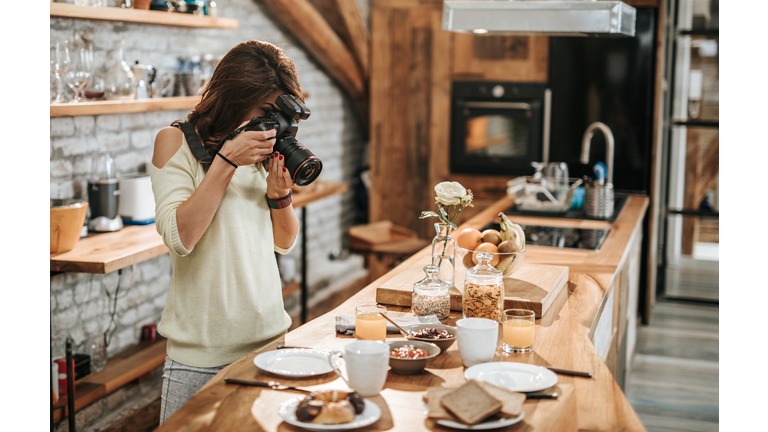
(431, 295)
(483, 295)
(119, 82)
(444, 253)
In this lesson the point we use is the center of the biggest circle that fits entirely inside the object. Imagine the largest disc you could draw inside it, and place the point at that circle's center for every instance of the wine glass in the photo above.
(60, 62)
(81, 72)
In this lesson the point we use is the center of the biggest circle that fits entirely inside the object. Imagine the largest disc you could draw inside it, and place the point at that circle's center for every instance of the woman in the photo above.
(222, 223)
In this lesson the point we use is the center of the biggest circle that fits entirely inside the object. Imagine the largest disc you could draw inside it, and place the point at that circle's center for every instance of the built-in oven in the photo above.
(498, 127)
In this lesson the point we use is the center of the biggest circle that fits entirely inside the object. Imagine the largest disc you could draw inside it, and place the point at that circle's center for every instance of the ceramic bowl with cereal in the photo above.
(441, 335)
(408, 357)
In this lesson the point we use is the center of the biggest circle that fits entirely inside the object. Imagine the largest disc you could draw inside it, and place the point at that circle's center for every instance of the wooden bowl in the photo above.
(443, 344)
(406, 366)
(66, 226)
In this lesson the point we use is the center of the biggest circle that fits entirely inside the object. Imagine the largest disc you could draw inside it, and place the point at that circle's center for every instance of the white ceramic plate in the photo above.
(492, 424)
(371, 413)
(294, 362)
(519, 377)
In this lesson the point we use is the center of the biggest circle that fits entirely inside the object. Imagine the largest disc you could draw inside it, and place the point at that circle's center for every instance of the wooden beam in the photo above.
(345, 18)
(313, 32)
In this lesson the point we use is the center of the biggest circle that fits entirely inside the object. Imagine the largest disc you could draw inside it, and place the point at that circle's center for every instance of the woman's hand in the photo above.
(249, 147)
(279, 180)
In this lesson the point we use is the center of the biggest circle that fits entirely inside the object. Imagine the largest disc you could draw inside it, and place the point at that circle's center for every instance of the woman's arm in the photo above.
(195, 214)
(285, 224)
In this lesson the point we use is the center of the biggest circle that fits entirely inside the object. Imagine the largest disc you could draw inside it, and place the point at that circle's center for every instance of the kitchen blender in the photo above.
(103, 195)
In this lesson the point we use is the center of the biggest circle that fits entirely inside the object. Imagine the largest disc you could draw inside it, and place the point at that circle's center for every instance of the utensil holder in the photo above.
(598, 201)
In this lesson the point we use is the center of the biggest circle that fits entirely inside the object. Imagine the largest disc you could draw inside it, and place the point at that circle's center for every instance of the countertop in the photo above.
(563, 339)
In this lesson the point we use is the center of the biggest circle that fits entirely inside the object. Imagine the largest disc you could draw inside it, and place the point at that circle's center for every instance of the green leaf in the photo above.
(452, 225)
(428, 214)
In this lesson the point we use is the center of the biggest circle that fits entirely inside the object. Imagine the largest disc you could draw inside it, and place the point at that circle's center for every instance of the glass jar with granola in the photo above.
(431, 295)
(483, 290)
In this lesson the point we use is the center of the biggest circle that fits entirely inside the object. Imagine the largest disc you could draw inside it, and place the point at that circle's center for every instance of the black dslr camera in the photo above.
(301, 163)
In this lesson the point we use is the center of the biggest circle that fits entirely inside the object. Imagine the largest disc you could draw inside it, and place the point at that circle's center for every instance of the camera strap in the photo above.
(193, 140)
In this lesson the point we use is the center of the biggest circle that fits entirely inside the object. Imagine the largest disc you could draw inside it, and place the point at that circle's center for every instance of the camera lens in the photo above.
(301, 163)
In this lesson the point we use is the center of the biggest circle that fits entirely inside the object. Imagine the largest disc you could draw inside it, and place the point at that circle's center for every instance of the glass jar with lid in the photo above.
(483, 290)
(431, 295)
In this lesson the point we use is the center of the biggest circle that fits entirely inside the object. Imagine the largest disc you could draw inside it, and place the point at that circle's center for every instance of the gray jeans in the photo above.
(180, 382)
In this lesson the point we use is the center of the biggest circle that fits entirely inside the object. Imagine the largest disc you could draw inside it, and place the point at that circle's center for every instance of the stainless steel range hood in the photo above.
(554, 18)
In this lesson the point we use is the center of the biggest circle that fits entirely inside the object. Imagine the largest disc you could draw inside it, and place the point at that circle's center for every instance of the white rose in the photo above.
(449, 193)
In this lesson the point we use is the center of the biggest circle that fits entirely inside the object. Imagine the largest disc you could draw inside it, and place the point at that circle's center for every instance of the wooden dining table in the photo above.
(564, 338)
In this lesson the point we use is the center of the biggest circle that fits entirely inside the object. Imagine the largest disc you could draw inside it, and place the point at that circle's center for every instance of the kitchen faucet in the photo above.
(587, 140)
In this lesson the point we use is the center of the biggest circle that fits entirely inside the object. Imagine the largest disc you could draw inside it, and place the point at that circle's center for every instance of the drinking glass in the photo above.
(518, 326)
(60, 63)
(81, 72)
(369, 325)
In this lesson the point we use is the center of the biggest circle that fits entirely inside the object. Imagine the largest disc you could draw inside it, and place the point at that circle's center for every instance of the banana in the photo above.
(511, 232)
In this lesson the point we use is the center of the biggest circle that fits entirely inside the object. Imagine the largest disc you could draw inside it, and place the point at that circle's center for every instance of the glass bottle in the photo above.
(431, 295)
(444, 253)
(483, 295)
(120, 83)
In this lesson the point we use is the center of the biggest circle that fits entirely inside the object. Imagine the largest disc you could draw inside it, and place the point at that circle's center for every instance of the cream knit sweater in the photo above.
(225, 298)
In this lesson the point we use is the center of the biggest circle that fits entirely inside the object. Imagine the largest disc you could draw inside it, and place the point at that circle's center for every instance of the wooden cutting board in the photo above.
(531, 286)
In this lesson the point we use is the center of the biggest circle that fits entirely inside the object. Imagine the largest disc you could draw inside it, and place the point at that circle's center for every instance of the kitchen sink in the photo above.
(574, 213)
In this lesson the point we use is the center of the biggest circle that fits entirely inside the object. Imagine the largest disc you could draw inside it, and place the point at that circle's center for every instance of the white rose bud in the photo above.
(449, 193)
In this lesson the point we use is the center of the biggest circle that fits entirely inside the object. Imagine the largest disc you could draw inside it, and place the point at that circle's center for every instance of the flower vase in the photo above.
(444, 253)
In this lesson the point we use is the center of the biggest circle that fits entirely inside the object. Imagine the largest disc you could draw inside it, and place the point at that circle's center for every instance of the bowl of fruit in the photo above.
(506, 245)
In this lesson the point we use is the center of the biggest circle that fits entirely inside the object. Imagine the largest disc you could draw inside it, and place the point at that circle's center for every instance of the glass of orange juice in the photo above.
(517, 325)
(369, 325)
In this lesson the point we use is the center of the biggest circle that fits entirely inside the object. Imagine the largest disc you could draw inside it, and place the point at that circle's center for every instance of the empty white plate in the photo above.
(519, 377)
(294, 362)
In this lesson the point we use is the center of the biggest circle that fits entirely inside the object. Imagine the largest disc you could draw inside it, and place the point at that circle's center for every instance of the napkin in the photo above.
(346, 324)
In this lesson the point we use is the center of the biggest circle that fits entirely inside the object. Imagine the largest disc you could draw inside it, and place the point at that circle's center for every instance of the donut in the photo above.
(330, 407)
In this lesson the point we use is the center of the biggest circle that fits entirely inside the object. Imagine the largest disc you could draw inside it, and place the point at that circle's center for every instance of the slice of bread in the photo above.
(512, 402)
(436, 410)
(470, 403)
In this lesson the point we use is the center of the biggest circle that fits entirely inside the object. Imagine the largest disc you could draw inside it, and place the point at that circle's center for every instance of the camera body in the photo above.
(301, 163)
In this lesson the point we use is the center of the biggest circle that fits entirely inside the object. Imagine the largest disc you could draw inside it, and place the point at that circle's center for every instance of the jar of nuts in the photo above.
(483, 290)
(430, 295)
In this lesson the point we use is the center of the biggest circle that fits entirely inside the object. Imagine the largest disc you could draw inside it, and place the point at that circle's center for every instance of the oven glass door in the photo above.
(496, 137)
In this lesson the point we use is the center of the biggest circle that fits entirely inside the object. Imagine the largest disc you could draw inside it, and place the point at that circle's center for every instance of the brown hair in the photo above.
(244, 78)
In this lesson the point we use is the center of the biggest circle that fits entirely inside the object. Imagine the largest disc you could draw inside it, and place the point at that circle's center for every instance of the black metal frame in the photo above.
(673, 7)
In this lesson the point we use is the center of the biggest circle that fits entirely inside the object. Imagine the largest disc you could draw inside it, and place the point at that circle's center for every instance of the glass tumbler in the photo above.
(518, 326)
(369, 324)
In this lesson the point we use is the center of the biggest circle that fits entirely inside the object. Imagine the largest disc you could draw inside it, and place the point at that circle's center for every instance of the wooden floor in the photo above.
(673, 385)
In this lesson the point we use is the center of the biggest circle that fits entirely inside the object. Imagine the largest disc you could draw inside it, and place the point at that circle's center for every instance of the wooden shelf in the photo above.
(105, 253)
(121, 369)
(141, 16)
(108, 252)
(291, 288)
(127, 106)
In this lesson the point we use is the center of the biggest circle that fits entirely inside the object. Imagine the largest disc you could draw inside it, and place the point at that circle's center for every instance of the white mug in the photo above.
(367, 364)
(477, 338)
